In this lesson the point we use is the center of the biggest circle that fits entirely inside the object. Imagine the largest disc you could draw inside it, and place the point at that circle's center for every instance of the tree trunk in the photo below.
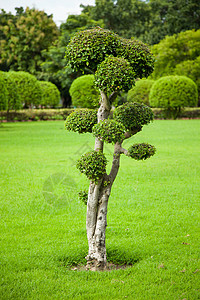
(97, 203)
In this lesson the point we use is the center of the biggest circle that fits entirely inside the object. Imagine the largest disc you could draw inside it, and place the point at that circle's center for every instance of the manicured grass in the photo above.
(153, 215)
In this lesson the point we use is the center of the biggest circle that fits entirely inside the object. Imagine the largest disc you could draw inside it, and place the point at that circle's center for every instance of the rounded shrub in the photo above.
(14, 101)
(133, 115)
(140, 92)
(141, 151)
(114, 74)
(3, 93)
(28, 88)
(173, 93)
(81, 121)
(109, 131)
(50, 94)
(93, 165)
(84, 93)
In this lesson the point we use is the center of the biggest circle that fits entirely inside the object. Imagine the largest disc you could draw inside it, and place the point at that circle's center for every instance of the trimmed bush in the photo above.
(14, 102)
(173, 93)
(109, 131)
(83, 92)
(81, 121)
(140, 92)
(50, 94)
(28, 88)
(3, 93)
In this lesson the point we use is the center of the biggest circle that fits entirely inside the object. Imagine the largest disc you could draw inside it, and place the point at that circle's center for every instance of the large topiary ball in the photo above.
(114, 74)
(28, 88)
(84, 93)
(14, 101)
(173, 93)
(140, 92)
(50, 94)
(133, 115)
(3, 94)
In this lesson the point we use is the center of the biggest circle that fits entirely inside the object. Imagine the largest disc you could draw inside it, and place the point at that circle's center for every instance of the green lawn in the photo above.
(153, 215)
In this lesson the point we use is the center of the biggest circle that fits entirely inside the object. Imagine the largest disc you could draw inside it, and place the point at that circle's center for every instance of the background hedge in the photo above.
(140, 92)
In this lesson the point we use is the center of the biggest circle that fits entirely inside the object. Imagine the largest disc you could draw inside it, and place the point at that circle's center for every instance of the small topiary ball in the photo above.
(133, 115)
(81, 121)
(141, 151)
(109, 131)
(114, 74)
(93, 165)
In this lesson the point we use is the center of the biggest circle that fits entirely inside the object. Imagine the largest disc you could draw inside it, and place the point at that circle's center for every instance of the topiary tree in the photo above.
(50, 94)
(14, 101)
(84, 92)
(140, 92)
(173, 93)
(28, 88)
(116, 63)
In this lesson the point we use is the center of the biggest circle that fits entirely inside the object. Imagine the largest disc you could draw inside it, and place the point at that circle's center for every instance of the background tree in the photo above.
(173, 93)
(24, 37)
(50, 94)
(140, 92)
(84, 93)
(116, 63)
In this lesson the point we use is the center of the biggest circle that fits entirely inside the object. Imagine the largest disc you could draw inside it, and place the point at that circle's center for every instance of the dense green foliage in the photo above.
(50, 94)
(24, 37)
(14, 100)
(140, 92)
(114, 75)
(84, 93)
(28, 88)
(109, 131)
(133, 115)
(81, 121)
(93, 165)
(3, 94)
(141, 151)
(173, 93)
(89, 48)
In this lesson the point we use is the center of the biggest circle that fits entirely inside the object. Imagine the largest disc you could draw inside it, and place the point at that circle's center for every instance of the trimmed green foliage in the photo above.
(89, 48)
(28, 88)
(93, 165)
(3, 94)
(140, 92)
(133, 115)
(114, 74)
(14, 101)
(141, 151)
(109, 131)
(83, 196)
(81, 121)
(173, 93)
(83, 92)
(50, 94)
(139, 56)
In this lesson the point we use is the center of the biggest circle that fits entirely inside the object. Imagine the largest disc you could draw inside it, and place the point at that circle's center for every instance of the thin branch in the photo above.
(128, 134)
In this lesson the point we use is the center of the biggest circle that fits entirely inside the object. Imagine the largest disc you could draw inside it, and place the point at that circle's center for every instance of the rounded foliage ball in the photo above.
(81, 121)
(133, 115)
(109, 131)
(139, 56)
(141, 151)
(3, 93)
(83, 92)
(173, 92)
(89, 48)
(28, 88)
(140, 92)
(93, 165)
(50, 94)
(114, 74)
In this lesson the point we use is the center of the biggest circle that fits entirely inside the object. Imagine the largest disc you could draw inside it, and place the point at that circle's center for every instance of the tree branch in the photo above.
(128, 134)
(113, 96)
